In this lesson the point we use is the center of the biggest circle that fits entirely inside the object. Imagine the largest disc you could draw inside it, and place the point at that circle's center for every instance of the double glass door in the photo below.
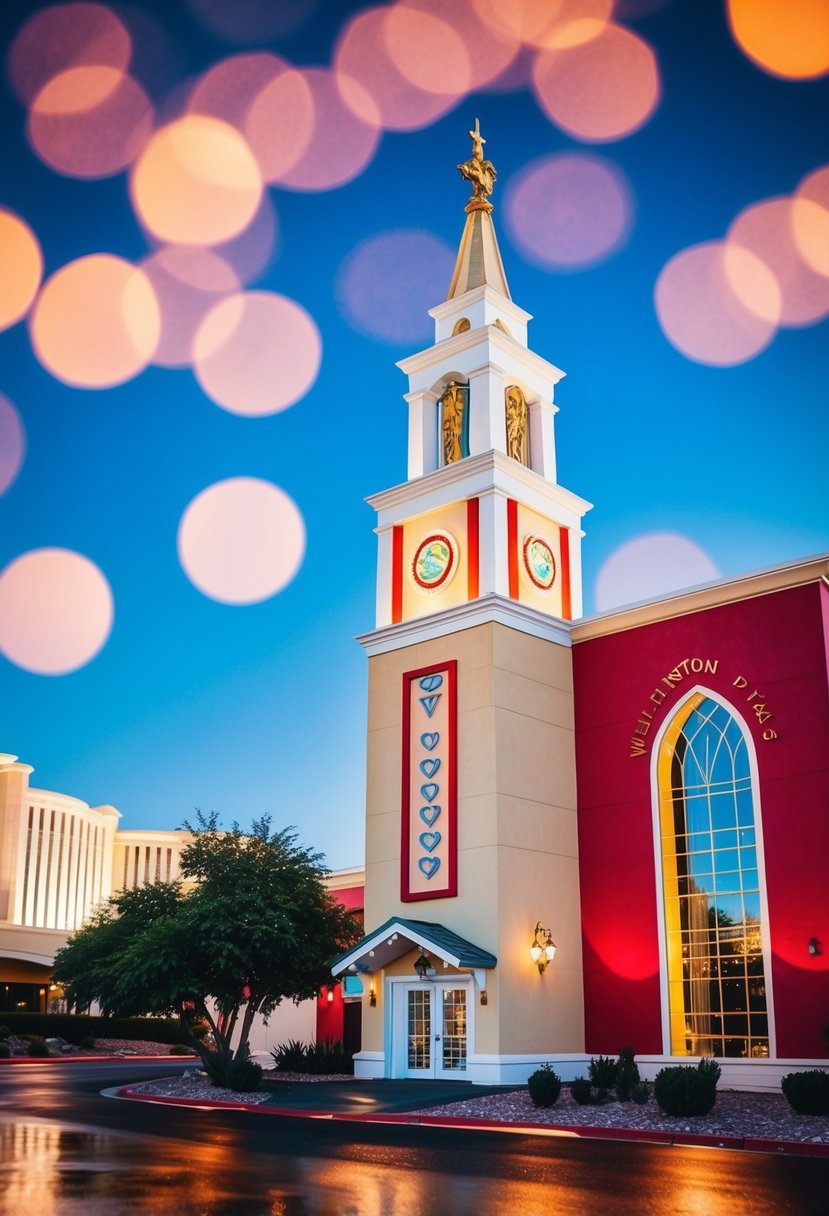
(434, 1024)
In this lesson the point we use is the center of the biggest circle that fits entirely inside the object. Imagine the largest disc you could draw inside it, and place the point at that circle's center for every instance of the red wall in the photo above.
(330, 1014)
(777, 643)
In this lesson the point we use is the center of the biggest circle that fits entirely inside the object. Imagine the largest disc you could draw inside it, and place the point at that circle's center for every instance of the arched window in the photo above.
(711, 885)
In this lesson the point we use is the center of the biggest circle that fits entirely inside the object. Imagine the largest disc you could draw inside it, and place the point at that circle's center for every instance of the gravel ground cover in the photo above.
(103, 1047)
(736, 1113)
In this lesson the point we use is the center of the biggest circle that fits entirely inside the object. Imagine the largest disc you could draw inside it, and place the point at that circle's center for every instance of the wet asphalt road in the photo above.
(65, 1151)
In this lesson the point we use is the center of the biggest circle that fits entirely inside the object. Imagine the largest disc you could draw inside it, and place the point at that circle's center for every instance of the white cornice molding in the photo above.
(488, 609)
(470, 477)
(705, 596)
(510, 350)
(470, 298)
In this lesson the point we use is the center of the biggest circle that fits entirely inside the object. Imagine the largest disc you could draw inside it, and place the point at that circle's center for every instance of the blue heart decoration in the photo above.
(429, 814)
(430, 702)
(430, 740)
(430, 683)
(429, 865)
(429, 841)
(430, 791)
(429, 767)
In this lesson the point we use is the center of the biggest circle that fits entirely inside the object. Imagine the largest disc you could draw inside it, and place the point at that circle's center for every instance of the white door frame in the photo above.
(397, 1033)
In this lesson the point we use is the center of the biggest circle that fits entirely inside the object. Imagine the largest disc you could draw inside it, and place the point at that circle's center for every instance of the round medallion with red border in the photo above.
(539, 562)
(435, 561)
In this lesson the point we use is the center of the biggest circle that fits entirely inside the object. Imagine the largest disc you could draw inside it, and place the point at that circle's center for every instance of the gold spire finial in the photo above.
(479, 172)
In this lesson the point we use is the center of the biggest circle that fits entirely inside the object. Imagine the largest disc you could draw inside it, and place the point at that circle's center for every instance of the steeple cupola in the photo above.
(481, 513)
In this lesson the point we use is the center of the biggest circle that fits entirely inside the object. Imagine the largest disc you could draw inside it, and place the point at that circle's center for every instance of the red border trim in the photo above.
(512, 547)
(450, 565)
(451, 797)
(397, 574)
(472, 545)
(566, 604)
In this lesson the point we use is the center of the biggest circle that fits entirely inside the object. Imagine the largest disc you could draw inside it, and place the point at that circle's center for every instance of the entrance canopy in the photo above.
(398, 936)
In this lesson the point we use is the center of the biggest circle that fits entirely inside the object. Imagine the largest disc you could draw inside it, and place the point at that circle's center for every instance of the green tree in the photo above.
(257, 926)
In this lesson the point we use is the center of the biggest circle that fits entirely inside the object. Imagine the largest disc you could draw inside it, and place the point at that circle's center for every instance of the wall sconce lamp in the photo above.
(422, 966)
(814, 946)
(372, 996)
(330, 995)
(543, 949)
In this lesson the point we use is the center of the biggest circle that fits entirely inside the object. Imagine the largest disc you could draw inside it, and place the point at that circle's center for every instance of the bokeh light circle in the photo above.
(188, 281)
(12, 443)
(768, 230)
(368, 287)
(196, 182)
(22, 268)
(375, 88)
(257, 353)
(90, 121)
(546, 23)
(651, 565)
(811, 226)
(96, 322)
(65, 36)
(488, 53)
(241, 541)
(599, 89)
(717, 303)
(416, 42)
(279, 122)
(569, 211)
(789, 39)
(56, 611)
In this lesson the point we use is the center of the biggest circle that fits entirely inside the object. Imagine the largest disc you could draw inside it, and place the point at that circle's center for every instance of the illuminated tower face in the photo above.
(471, 821)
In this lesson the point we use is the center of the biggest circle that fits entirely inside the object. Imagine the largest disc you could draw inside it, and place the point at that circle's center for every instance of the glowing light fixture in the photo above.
(422, 966)
(543, 949)
(814, 946)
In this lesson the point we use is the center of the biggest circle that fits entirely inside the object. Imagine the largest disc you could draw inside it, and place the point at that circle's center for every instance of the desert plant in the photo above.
(627, 1075)
(583, 1092)
(685, 1090)
(317, 1059)
(639, 1093)
(181, 1049)
(807, 1092)
(602, 1071)
(545, 1086)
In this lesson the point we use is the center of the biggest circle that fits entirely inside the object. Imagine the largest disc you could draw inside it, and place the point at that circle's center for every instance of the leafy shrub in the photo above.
(4, 1033)
(180, 1049)
(583, 1092)
(639, 1093)
(76, 1027)
(627, 1075)
(545, 1086)
(709, 1067)
(5, 1050)
(685, 1090)
(603, 1071)
(87, 1042)
(316, 1059)
(807, 1092)
(37, 1046)
(242, 1076)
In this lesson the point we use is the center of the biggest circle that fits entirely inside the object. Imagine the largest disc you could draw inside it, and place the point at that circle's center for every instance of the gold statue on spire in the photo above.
(479, 172)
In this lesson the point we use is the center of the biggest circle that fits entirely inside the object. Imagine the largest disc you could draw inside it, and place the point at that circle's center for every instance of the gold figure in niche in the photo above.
(516, 406)
(451, 418)
(479, 172)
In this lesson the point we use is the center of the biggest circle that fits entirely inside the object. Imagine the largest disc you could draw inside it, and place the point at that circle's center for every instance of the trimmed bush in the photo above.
(603, 1072)
(639, 1093)
(37, 1046)
(317, 1059)
(685, 1090)
(76, 1027)
(4, 1033)
(242, 1076)
(544, 1086)
(807, 1092)
(627, 1075)
(583, 1092)
(5, 1050)
(180, 1049)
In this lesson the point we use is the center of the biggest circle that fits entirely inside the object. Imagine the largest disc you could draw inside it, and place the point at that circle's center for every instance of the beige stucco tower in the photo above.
(471, 802)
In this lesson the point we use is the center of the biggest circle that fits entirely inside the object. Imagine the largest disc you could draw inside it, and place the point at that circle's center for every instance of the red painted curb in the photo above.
(91, 1059)
(412, 1118)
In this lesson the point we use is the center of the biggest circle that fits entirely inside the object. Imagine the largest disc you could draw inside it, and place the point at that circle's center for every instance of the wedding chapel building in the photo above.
(581, 834)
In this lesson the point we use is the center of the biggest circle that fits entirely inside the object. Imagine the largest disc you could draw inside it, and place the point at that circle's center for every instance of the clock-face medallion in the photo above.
(539, 563)
(435, 561)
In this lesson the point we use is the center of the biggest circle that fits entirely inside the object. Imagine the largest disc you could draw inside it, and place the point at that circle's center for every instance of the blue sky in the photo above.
(260, 707)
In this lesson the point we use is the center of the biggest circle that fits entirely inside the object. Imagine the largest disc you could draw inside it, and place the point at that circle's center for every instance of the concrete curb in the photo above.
(412, 1118)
